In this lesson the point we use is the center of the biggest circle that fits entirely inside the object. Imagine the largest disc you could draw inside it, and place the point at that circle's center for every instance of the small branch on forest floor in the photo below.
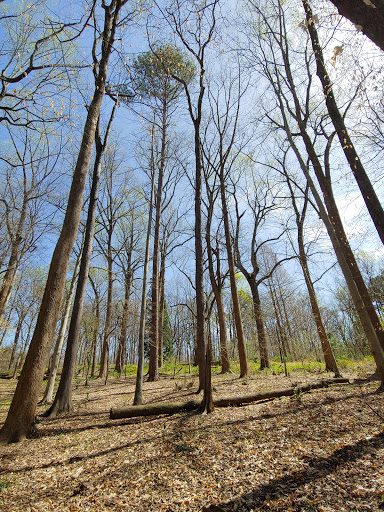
(363, 398)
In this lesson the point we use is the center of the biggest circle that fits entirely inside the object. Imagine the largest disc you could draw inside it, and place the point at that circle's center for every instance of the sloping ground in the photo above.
(322, 451)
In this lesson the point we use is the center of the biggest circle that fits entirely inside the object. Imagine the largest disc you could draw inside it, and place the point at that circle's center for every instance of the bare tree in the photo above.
(368, 192)
(193, 24)
(21, 414)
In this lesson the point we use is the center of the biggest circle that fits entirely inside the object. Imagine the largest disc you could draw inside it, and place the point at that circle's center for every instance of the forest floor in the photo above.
(321, 451)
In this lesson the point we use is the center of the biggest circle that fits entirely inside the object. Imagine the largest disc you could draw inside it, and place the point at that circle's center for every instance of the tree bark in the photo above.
(121, 352)
(368, 16)
(261, 335)
(21, 414)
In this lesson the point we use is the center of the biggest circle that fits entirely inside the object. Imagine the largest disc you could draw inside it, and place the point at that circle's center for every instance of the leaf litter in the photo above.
(316, 452)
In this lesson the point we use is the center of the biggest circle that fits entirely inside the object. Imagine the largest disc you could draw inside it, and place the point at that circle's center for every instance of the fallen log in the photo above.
(174, 407)
(155, 409)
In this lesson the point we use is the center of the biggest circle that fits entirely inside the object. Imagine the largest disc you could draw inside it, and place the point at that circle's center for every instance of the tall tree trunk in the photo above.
(161, 310)
(329, 358)
(199, 276)
(63, 399)
(216, 284)
(138, 398)
(153, 371)
(21, 414)
(108, 313)
(332, 220)
(232, 279)
(95, 328)
(369, 195)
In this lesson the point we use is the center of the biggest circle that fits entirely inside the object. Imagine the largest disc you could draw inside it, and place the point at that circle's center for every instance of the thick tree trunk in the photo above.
(367, 191)
(117, 413)
(21, 414)
(367, 15)
(261, 335)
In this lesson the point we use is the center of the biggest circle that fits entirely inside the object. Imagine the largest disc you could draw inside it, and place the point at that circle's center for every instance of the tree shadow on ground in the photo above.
(318, 467)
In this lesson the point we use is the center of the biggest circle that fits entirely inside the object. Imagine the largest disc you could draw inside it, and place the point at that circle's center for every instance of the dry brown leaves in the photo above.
(322, 451)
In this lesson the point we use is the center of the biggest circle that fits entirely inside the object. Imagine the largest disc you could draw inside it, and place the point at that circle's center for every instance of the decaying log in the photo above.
(174, 407)
(133, 411)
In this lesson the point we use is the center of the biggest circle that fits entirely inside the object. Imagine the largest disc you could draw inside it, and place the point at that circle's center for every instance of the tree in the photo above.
(330, 362)
(216, 276)
(129, 257)
(193, 24)
(153, 80)
(370, 197)
(366, 15)
(260, 197)
(221, 160)
(21, 414)
(298, 112)
(63, 399)
(138, 398)
(29, 179)
(37, 60)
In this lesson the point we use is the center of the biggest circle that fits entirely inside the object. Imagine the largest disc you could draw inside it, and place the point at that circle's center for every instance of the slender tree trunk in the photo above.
(21, 414)
(232, 279)
(153, 371)
(216, 284)
(95, 327)
(48, 393)
(122, 348)
(199, 281)
(138, 398)
(13, 262)
(331, 218)
(161, 310)
(108, 314)
(15, 341)
(369, 195)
